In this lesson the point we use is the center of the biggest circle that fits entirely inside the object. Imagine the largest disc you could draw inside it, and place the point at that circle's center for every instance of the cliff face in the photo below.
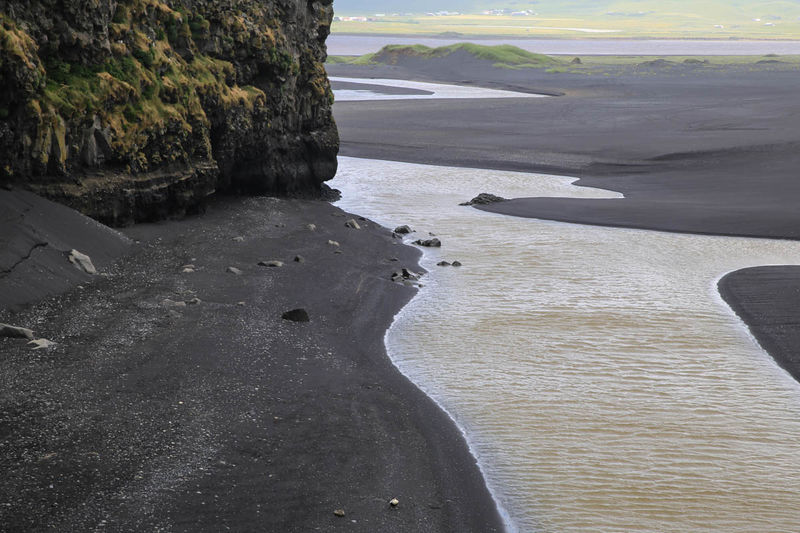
(134, 110)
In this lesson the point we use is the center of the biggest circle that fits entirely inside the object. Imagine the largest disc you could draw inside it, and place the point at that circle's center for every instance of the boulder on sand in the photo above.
(296, 315)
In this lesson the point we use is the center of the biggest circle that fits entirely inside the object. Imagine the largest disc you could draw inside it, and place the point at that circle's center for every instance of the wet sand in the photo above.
(217, 415)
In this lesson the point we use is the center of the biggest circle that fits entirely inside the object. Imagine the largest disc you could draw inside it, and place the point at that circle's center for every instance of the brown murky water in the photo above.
(600, 380)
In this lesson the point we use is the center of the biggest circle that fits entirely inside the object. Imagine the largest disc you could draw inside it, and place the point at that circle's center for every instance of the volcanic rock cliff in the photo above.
(131, 110)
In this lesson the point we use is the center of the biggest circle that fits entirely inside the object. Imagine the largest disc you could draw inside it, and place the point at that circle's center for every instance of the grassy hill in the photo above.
(503, 56)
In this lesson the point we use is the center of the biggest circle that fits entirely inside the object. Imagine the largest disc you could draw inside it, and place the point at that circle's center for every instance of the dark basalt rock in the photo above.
(484, 198)
(134, 110)
(296, 315)
(431, 243)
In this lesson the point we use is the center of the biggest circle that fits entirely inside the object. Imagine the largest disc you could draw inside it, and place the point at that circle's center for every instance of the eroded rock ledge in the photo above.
(136, 110)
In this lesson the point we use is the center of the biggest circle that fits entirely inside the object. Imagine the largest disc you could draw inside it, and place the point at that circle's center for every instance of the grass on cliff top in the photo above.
(503, 56)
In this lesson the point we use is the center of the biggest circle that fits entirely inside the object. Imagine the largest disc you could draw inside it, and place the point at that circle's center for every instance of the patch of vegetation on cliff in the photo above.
(154, 86)
(501, 56)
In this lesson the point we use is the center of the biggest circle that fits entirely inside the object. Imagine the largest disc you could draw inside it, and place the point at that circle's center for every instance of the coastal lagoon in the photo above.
(602, 383)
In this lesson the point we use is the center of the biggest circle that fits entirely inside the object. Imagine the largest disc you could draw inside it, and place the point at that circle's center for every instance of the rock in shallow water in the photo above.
(403, 230)
(431, 243)
(484, 198)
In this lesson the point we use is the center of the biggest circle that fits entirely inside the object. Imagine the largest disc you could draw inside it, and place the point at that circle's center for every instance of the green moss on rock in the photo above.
(165, 87)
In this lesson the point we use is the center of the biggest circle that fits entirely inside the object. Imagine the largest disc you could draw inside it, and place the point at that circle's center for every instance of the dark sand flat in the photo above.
(767, 299)
(214, 416)
(693, 149)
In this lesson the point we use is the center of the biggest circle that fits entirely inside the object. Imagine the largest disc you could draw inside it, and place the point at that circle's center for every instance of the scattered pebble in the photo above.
(393, 259)
(187, 271)
(403, 230)
(270, 263)
(194, 301)
(299, 259)
(238, 239)
(337, 251)
(394, 502)
(352, 224)
(339, 512)
(296, 315)
(311, 227)
(241, 304)
(81, 262)
(7, 330)
(333, 243)
(41, 344)
(234, 270)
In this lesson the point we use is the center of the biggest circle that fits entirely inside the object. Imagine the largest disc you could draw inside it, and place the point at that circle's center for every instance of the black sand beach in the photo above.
(693, 149)
(158, 412)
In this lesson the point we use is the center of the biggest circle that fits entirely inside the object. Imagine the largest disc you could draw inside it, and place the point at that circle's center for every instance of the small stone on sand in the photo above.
(333, 243)
(81, 261)
(41, 344)
(7, 330)
(194, 301)
(234, 270)
(394, 502)
(352, 224)
(270, 263)
(238, 239)
(339, 512)
(299, 259)
(311, 227)
(296, 315)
